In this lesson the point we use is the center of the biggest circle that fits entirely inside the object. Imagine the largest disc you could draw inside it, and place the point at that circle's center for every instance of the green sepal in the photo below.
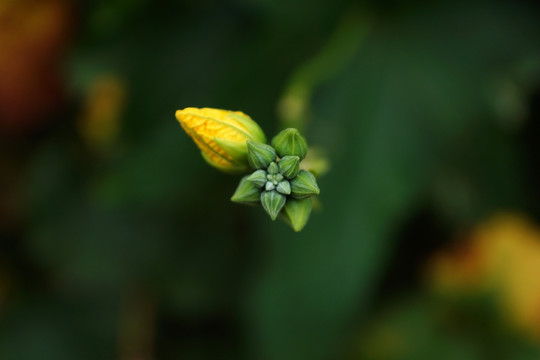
(234, 168)
(253, 130)
(289, 142)
(289, 166)
(273, 168)
(237, 150)
(272, 202)
(304, 185)
(258, 178)
(246, 192)
(296, 213)
(284, 187)
(260, 155)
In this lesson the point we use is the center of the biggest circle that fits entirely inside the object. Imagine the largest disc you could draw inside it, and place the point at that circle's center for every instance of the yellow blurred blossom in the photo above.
(101, 116)
(501, 257)
(221, 135)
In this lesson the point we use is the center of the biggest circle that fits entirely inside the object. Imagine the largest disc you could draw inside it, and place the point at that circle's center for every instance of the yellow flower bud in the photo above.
(221, 135)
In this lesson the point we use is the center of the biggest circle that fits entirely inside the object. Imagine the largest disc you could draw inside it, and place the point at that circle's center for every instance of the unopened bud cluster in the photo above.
(277, 181)
(232, 142)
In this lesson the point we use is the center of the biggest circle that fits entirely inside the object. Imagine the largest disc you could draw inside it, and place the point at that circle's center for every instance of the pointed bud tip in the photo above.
(289, 166)
(220, 135)
(291, 131)
(272, 202)
(290, 142)
(246, 192)
(284, 187)
(304, 185)
(260, 155)
(273, 168)
(296, 213)
(258, 178)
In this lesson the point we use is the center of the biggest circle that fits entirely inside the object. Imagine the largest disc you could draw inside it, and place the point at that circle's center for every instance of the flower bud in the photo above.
(260, 155)
(296, 213)
(273, 168)
(258, 178)
(246, 192)
(289, 166)
(272, 202)
(289, 142)
(221, 136)
(304, 185)
(284, 187)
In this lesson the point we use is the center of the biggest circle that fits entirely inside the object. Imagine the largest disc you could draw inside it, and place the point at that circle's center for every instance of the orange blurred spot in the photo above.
(33, 38)
(501, 256)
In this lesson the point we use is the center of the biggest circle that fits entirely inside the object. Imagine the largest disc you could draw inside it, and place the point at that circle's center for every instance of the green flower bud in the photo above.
(272, 202)
(246, 192)
(284, 187)
(290, 142)
(260, 155)
(304, 185)
(289, 166)
(296, 213)
(258, 178)
(269, 186)
(273, 168)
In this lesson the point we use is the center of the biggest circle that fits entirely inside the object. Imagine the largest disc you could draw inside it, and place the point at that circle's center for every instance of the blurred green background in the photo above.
(117, 241)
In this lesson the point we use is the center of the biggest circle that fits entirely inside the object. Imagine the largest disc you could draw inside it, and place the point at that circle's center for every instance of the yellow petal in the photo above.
(205, 125)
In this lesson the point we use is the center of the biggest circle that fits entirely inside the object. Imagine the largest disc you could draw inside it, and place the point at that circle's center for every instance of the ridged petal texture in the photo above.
(289, 166)
(261, 155)
(284, 187)
(304, 185)
(272, 202)
(205, 125)
(246, 192)
(258, 178)
(289, 142)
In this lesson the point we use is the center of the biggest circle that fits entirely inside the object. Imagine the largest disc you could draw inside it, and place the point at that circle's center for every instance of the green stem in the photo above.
(339, 51)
